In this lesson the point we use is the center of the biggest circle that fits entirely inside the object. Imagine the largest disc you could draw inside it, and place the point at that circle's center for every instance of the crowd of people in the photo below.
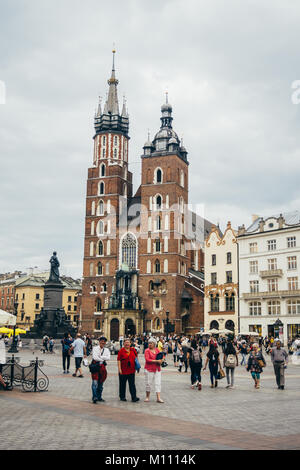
(220, 355)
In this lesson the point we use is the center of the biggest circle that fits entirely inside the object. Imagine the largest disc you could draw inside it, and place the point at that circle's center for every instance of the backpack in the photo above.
(196, 358)
(230, 361)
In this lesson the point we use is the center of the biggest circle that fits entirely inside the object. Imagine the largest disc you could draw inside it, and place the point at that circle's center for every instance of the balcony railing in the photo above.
(273, 294)
(271, 273)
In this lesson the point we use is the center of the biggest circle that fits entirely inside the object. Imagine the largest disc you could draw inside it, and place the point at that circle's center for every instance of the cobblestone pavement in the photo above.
(220, 418)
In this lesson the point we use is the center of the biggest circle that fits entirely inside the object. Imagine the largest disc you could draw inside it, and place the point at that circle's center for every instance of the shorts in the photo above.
(78, 361)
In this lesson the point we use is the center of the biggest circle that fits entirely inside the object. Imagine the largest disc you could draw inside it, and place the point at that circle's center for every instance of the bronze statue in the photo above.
(54, 272)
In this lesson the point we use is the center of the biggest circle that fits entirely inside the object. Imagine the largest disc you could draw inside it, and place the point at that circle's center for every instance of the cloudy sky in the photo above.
(228, 67)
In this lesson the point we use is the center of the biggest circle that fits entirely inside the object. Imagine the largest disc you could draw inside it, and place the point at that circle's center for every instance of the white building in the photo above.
(221, 280)
(269, 270)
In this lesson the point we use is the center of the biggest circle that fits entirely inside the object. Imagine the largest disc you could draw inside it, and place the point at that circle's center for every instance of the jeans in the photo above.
(195, 373)
(97, 389)
(244, 359)
(66, 357)
(232, 375)
(213, 372)
(131, 381)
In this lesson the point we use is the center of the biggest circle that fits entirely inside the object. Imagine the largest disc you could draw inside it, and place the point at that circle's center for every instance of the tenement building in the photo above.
(269, 257)
(221, 280)
(143, 257)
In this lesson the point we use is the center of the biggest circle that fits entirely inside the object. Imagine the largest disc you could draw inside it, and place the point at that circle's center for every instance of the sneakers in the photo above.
(123, 399)
(135, 399)
(94, 401)
(74, 375)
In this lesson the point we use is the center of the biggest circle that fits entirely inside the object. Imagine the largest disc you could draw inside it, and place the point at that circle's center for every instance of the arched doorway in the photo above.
(229, 325)
(114, 329)
(214, 325)
(129, 327)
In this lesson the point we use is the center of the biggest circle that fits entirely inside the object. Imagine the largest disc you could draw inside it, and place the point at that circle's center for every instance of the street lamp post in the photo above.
(13, 348)
(167, 314)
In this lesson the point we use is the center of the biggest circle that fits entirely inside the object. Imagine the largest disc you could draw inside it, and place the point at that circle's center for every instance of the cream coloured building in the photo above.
(221, 280)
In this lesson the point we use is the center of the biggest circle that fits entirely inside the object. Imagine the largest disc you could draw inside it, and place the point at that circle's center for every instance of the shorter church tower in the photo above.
(164, 263)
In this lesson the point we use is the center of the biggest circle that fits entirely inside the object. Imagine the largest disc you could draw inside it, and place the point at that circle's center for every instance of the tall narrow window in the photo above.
(100, 269)
(100, 248)
(101, 188)
(102, 170)
(157, 266)
(158, 176)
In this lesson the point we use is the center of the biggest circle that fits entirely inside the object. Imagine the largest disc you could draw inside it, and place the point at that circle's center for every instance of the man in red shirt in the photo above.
(126, 366)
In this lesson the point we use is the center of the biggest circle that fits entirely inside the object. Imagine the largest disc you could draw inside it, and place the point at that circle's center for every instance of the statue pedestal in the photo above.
(53, 292)
(52, 321)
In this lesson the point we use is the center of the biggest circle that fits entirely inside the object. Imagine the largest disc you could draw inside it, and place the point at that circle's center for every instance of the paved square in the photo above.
(65, 418)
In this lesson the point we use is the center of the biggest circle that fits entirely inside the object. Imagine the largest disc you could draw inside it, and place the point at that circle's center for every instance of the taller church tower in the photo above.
(109, 185)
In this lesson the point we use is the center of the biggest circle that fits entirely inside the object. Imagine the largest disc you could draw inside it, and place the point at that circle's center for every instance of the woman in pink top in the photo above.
(152, 370)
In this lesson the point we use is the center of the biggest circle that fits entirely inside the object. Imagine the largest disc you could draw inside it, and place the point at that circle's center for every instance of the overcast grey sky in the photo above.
(228, 67)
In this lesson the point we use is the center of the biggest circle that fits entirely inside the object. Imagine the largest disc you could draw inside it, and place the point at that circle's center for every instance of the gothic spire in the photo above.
(112, 100)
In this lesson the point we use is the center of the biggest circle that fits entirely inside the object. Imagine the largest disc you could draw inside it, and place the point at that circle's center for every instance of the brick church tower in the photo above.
(108, 187)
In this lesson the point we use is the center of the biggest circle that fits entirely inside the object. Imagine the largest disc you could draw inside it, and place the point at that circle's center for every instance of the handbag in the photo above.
(261, 363)
(137, 365)
(221, 374)
(94, 367)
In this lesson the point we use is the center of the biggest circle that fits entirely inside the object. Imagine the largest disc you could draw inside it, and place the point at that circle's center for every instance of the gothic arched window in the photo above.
(158, 176)
(129, 250)
(100, 248)
(102, 171)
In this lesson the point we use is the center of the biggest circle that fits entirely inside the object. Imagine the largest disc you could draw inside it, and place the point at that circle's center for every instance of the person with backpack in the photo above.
(213, 361)
(66, 351)
(195, 359)
(230, 361)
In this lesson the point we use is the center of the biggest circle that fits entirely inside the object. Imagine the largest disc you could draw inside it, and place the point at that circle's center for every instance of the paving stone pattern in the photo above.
(65, 418)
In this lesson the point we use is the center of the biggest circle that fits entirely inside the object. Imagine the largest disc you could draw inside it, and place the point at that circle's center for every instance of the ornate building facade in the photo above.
(221, 280)
(143, 258)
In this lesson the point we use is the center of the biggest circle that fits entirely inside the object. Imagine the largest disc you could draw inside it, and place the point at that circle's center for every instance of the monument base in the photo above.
(52, 321)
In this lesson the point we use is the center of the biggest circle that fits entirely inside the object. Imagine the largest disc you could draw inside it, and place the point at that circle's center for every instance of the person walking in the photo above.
(195, 360)
(153, 370)
(256, 362)
(126, 367)
(79, 349)
(66, 343)
(244, 352)
(280, 359)
(185, 357)
(230, 361)
(101, 355)
(45, 343)
(213, 361)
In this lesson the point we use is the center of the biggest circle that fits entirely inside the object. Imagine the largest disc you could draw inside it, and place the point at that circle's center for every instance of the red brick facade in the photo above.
(158, 267)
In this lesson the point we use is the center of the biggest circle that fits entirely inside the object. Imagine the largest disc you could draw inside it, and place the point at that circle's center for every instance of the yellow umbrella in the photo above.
(5, 331)
(19, 331)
